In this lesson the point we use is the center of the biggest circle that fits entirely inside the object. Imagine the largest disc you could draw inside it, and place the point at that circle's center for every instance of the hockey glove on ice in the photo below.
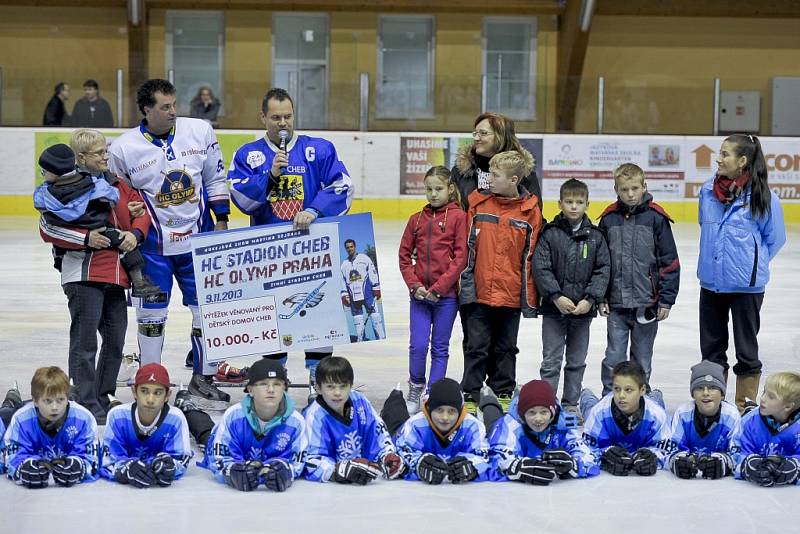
(756, 469)
(784, 470)
(164, 469)
(242, 475)
(33, 473)
(531, 471)
(358, 471)
(616, 461)
(564, 464)
(645, 462)
(715, 465)
(393, 466)
(68, 471)
(459, 470)
(278, 475)
(684, 465)
(431, 469)
(135, 473)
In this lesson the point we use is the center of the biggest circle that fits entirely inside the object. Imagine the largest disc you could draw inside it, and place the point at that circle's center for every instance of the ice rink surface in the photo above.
(34, 324)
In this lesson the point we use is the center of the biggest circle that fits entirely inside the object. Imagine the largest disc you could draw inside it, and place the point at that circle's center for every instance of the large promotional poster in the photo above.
(271, 288)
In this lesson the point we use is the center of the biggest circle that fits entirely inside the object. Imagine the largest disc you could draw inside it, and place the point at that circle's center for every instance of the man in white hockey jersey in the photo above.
(362, 290)
(176, 165)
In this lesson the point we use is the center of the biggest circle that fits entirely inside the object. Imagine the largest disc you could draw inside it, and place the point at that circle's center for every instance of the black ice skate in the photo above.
(206, 395)
(184, 401)
(13, 398)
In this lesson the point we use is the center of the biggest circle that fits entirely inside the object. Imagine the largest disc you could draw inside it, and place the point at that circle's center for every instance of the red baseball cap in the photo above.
(152, 373)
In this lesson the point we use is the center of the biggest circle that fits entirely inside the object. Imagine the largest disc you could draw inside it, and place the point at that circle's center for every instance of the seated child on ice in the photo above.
(347, 440)
(443, 441)
(146, 443)
(703, 430)
(51, 436)
(537, 440)
(626, 429)
(768, 448)
(260, 440)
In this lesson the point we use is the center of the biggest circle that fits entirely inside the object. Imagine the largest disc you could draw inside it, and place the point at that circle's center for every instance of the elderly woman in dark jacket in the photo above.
(493, 133)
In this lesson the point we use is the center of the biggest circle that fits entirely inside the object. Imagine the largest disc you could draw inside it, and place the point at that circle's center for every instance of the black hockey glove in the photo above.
(616, 461)
(242, 475)
(684, 465)
(715, 465)
(163, 467)
(68, 471)
(431, 469)
(278, 475)
(784, 470)
(531, 471)
(357, 471)
(564, 464)
(393, 466)
(756, 469)
(645, 462)
(33, 473)
(135, 473)
(460, 469)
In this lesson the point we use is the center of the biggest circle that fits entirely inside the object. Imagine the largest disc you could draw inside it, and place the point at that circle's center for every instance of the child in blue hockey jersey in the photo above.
(347, 440)
(260, 440)
(444, 441)
(51, 436)
(626, 429)
(768, 448)
(2, 447)
(537, 440)
(146, 443)
(703, 430)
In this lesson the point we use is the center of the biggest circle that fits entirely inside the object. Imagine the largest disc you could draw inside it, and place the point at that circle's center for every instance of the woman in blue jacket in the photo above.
(741, 230)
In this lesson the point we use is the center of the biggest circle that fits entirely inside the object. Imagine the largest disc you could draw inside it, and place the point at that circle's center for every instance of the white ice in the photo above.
(34, 325)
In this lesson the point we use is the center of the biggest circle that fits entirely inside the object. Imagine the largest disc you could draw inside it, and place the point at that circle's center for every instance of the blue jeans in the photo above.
(430, 323)
(560, 334)
(621, 326)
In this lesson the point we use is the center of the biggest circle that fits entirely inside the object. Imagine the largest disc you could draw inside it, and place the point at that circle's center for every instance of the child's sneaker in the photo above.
(228, 373)
(13, 398)
(414, 397)
(505, 401)
(206, 395)
(184, 402)
(128, 369)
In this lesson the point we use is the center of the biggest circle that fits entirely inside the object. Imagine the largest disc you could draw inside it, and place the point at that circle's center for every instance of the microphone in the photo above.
(284, 135)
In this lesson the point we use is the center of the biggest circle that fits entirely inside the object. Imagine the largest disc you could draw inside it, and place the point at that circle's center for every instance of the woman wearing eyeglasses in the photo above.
(492, 133)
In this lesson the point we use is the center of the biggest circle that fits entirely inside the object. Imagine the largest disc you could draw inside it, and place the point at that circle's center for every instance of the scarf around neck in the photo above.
(727, 189)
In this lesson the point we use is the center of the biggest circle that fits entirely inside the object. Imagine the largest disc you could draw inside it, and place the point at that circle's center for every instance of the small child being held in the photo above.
(768, 448)
(537, 441)
(703, 430)
(51, 436)
(432, 254)
(444, 441)
(626, 429)
(146, 443)
(260, 440)
(347, 439)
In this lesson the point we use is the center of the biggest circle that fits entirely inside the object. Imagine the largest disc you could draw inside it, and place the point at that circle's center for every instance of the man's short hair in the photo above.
(334, 370)
(511, 162)
(91, 83)
(346, 241)
(631, 369)
(276, 93)
(59, 87)
(628, 171)
(49, 382)
(786, 385)
(146, 95)
(84, 139)
(573, 188)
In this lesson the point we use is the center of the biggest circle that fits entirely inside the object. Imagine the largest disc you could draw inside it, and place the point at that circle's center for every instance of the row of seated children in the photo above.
(340, 437)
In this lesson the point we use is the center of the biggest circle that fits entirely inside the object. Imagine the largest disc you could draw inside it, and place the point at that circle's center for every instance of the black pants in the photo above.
(95, 307)
(744, 309)
(200, 425)
(491, 349)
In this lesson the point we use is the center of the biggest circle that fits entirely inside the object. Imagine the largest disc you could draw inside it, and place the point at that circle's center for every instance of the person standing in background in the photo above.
(55, 114)
(92, 111)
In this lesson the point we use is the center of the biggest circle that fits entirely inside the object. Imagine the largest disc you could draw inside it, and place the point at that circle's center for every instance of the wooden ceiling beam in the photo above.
(700, 8)
(572, 44)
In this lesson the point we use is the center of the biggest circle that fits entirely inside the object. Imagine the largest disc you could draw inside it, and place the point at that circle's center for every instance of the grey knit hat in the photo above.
(708, 373)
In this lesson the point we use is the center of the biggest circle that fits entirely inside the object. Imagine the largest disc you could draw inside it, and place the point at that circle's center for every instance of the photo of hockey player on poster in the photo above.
(361, 290)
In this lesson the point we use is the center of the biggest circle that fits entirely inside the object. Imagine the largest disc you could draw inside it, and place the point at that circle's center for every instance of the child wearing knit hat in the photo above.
(703, 430)
(537, 441)
(443, 441)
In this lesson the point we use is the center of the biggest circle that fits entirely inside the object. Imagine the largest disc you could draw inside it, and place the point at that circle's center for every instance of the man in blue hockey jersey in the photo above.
(146, 443)
(347, 440)
(286, 177)
(703, 430)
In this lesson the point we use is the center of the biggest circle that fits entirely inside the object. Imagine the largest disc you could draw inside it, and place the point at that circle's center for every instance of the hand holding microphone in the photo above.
(281, 160)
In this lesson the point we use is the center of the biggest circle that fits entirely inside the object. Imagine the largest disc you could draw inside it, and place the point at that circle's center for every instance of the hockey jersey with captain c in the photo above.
(180, 182)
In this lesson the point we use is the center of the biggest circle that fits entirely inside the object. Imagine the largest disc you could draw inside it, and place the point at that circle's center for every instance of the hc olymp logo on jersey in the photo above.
(176, 189)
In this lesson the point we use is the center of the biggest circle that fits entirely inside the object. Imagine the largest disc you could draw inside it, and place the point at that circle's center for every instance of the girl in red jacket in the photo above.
(433, 252)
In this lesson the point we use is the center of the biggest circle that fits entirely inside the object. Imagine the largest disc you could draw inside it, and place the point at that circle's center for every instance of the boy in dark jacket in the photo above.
(571, 267)
(645, 272)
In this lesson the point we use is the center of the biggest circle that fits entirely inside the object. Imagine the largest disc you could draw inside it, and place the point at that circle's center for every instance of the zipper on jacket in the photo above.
(755, 263)
(430, 236)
